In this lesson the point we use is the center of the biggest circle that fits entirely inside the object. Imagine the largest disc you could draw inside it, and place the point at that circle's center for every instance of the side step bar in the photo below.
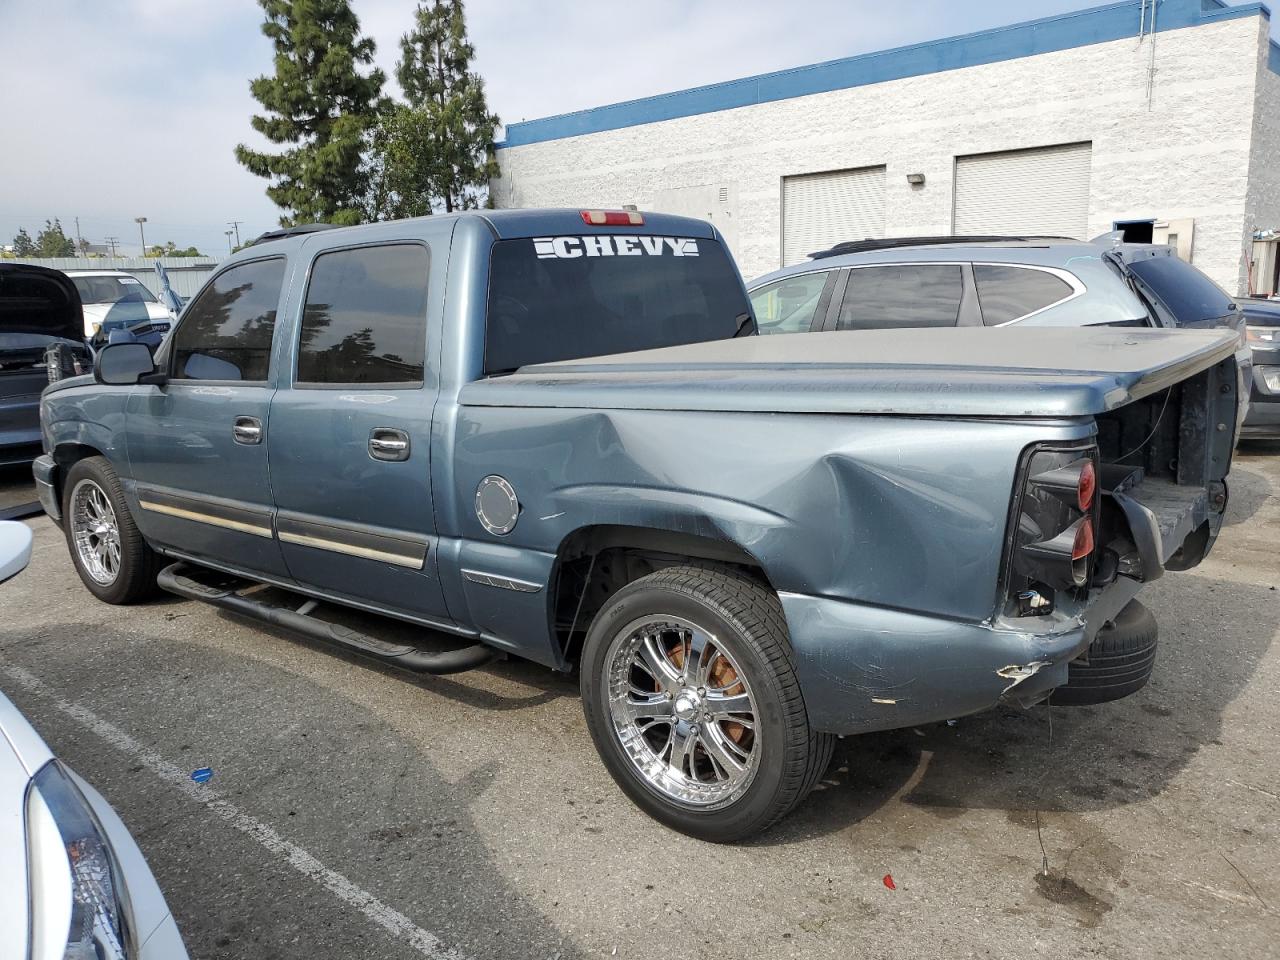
(180, 578)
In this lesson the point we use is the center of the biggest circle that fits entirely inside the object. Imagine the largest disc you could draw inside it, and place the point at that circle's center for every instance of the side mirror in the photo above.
(123, 364)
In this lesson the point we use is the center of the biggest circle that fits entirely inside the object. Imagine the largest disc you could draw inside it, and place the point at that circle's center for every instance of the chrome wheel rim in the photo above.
(683, 711)
(96, 532)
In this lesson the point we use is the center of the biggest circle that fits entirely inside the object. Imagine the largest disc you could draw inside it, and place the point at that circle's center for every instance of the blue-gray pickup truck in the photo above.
(553, 434)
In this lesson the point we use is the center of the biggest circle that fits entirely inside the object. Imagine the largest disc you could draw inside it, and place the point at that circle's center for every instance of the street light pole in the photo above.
(228, 233)
(140, 221)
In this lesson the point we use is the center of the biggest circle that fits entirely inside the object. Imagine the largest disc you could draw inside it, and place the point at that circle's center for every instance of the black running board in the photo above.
(183, 579)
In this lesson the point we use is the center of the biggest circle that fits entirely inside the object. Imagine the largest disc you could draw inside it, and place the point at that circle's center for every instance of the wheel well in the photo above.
(66, 456)
(595, 562)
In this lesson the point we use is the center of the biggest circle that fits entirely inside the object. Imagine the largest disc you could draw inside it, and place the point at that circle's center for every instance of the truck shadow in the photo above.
(1063, 759)
(1250, 489)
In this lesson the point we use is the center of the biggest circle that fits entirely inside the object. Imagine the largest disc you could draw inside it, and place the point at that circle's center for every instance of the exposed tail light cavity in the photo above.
(1054, 538)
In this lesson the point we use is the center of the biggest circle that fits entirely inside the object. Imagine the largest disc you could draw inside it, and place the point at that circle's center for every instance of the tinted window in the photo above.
(1187, 294)
(788, 306)
(907, 296)
(365, 319)
(1007, 293)
(561, 298)
(226, 332)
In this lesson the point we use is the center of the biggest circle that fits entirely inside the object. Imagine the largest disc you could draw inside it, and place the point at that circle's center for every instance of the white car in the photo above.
(73, 884)
(113, 298)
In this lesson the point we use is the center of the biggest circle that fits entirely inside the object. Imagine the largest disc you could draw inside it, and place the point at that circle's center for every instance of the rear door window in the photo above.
(225, 333)
(1188, 297)
(1009, 293)
(563, 298)
(789, 305)
(365, 318)
(911, 295)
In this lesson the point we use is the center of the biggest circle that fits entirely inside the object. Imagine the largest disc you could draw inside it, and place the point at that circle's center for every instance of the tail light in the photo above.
(612, 218)
(1054, 537)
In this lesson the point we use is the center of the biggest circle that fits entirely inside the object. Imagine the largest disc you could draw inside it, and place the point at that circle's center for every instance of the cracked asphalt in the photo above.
(473, 807)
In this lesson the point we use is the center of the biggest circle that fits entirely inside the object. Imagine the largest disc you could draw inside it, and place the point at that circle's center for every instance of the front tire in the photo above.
(691, 697)
(108, 552)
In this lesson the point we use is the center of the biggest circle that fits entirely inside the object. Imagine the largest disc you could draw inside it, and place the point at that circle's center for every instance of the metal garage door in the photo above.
(821, 209)
(1041, 191)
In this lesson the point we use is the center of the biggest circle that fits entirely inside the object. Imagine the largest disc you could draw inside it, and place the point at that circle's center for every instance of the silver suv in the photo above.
(993, 282)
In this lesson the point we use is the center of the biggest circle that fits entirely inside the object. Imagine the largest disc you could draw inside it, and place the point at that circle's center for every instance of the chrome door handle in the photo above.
(247, 430)
(386, 443)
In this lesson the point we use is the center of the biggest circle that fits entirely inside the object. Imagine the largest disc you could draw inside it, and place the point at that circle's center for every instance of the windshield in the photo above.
(1183, 293)
(112, 290)
(562, 298)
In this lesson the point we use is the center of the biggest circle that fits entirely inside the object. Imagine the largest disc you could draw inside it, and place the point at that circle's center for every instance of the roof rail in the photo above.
(890, 243)
(299, 229)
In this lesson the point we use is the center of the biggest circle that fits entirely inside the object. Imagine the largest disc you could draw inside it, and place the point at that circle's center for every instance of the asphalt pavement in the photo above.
(358, 812)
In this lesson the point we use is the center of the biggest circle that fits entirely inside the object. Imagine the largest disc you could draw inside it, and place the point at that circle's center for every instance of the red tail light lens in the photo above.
(612, 218)
(1083, 545)
(1087, 487)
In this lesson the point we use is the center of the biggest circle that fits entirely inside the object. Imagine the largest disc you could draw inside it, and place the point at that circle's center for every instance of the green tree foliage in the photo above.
(171, 249)
(23, 246)
(437, 149)
(52, 242)
(321, 105)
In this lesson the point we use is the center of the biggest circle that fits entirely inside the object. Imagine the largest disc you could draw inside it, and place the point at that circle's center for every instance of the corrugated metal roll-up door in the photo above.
(821, 209)
(1042, 191)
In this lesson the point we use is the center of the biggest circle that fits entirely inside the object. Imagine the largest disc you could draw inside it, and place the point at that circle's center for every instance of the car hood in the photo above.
(123, 314)
(979, 372)
(38, 300)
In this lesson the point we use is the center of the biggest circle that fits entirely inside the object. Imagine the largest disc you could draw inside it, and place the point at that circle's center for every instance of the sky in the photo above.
(134, 108)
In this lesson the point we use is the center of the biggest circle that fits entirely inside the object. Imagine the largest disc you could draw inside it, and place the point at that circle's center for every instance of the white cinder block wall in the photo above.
(1206, 145)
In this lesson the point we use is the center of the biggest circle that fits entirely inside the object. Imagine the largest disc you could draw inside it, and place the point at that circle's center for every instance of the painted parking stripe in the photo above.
(391, 920)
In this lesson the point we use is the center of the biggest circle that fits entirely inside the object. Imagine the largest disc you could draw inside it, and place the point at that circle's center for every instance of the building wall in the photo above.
(186, 274)
(1263, 205)
(1186, 152)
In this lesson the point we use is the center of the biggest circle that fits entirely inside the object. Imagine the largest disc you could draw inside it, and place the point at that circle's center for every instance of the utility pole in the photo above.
(111, 242)
(229, 233)
(79, 241)
(140, 221)
(236, 224)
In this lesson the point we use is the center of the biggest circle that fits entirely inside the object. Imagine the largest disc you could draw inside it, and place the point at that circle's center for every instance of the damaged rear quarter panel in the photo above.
(901, 512)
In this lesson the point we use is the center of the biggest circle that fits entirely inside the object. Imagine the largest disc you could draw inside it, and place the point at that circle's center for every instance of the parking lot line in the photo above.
(388, 918)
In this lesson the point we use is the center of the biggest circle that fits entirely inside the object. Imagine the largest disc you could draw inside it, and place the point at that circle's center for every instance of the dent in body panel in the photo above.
(907, 513)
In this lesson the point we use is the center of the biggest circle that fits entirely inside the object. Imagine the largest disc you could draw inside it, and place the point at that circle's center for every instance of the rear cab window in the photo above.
(568, 297)
(910, 295)
(365, 317)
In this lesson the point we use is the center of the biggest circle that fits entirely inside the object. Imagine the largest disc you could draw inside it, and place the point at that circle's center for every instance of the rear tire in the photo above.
(1121, 659)
(705, 728)
(109, 554)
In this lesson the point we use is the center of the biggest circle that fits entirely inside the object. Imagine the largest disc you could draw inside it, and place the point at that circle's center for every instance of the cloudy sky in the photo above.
(133, 108)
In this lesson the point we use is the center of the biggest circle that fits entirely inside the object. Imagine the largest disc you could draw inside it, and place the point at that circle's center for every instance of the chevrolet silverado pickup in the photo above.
(554, 435)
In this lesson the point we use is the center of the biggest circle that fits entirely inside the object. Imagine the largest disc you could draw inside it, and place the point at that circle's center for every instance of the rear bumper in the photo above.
(1263, 418)
(864, 668)
(45, 472)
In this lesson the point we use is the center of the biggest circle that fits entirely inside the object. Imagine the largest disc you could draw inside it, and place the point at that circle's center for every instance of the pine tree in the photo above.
(319, 102)
(443, 140)
(52, 242)
(22, 244)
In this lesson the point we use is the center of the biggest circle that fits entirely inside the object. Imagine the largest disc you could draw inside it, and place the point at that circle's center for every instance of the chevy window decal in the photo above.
(570, 248)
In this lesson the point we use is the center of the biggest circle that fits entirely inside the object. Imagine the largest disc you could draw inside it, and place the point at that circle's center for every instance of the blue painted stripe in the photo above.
(1273, 57)
(1115, 21)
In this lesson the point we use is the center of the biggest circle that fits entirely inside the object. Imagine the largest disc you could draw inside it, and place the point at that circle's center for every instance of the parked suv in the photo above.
(1262, 318)
(550, 434)
(995, 282)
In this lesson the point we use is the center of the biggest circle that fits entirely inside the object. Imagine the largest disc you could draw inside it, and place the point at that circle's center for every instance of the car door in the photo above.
(350, 435)
(895, 296)
(196, 444)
